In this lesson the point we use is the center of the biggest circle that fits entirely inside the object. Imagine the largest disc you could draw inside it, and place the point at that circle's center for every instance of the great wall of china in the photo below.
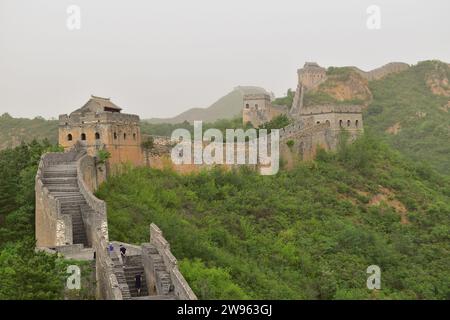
(71, 221)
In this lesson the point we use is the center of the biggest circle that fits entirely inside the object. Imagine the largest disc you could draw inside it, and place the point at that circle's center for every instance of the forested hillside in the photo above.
(14, 131)
(307, 233)
(411, 110)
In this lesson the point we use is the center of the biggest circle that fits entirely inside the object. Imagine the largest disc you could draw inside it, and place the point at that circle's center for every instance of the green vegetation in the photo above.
(166, 129)
(340, 73)
(308, 233)
(285, 101)
(25, 274)
(103, 155)
(290, 143)
(278, 122)
(323, 98)
(406, 99)
(13, 131)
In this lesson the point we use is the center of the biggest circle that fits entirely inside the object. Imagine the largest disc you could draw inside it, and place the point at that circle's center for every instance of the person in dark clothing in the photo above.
(123, 252)
(138, 282)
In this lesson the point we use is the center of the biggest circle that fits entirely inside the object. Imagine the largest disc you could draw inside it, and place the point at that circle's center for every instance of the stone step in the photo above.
(71, 211)
(62, 174)
(61, 188)
(60, 180)
(66, 194)
(72, 203)
(68, 201)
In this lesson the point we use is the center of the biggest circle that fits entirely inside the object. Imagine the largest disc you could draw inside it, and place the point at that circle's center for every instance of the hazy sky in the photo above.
(159, 58)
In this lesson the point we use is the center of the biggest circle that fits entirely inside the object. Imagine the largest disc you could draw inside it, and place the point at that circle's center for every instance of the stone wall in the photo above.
(306, 141)
(52, 228)
(383, 71)
(96, 225)
(177, 285)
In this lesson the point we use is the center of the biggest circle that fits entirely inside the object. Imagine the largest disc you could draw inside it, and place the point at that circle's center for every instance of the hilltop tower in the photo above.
(258, 109)
(100, 125)
(255, 109)
(309, 77)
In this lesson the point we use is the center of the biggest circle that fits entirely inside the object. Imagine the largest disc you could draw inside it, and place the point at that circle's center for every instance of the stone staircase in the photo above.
(125, 275)
(61, 182)
(130, 273)
(121, 279)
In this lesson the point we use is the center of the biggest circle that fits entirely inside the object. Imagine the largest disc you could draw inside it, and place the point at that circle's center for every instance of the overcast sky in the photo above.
(159, 58)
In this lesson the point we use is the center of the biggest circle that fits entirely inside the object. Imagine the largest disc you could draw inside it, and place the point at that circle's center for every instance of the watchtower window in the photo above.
(69, 137)
(108, 109)
(340, 123)
(124, 136)
(349, 123)
(115, 136)
(97, 136)
(247, 106)
(83, 136)
(318, 122)
(134, 136)
(327, 122)
(356, 123)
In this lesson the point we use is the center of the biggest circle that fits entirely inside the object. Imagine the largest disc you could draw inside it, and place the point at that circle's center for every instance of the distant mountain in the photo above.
(13, 131)
(227, 107)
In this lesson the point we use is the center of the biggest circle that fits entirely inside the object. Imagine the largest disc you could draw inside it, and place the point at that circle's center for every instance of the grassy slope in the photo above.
(308, 233)
(400, 98)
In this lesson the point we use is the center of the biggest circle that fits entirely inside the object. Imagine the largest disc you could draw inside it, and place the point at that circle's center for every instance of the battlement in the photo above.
(92, 117)
(324, 109)
(257, 96)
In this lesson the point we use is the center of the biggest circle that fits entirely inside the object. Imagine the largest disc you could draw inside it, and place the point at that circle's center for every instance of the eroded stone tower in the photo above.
(100, 125)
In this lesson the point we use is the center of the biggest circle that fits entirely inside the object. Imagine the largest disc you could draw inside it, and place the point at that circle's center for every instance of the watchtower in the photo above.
(100, 125)
(257, 109)
(311, 75)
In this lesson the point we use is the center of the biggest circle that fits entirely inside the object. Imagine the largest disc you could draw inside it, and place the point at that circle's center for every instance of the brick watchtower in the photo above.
(99, 124)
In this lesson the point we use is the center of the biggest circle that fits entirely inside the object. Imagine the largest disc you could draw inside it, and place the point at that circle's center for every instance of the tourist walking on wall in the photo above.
(123, 252)
(137, 282)
(110, 249)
